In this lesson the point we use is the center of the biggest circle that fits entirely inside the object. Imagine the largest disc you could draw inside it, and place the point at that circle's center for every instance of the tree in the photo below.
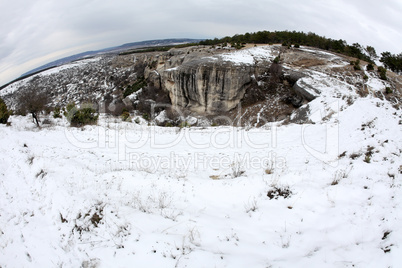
(371, 52)
(391, 61)
(4, 112)
(32, 101)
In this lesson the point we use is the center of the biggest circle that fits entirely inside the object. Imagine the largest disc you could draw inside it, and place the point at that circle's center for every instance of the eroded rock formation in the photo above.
(207, 86)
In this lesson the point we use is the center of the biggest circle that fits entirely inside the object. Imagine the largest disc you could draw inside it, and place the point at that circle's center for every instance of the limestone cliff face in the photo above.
(209, 82)
(207, 86)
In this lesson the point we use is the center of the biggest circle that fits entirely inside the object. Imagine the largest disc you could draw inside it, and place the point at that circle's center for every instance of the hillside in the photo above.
(102, 52)
(301, 168)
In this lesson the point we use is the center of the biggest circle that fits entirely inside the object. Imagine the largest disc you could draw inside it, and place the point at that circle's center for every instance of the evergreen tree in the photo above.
(391, 61)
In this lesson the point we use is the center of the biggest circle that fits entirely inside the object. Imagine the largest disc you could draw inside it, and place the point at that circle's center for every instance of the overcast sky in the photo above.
(35, 32)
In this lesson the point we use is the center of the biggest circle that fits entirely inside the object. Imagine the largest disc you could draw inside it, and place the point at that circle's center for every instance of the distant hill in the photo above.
(118, 49)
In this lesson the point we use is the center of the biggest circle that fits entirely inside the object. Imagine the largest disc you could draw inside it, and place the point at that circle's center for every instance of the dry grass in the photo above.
(215, 177)
(269, 171)
(308, 62)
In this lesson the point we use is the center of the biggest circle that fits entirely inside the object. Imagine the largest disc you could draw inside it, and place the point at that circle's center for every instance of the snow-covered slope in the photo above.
(323, 194)
(122, 194)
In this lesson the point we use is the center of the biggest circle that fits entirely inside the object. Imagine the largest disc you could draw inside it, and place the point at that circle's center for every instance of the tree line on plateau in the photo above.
(288, 38)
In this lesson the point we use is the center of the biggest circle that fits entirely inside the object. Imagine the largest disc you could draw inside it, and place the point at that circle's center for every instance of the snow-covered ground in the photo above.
(128, 195)
(121, 194)
(251, 55)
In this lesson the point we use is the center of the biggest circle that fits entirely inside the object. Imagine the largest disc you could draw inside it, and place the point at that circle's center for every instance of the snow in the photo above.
(15, 86)
(74, 64)
(198, 197)
(123, 194)
(249, 56)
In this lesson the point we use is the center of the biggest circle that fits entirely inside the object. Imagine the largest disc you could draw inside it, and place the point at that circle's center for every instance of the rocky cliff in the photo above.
(207, 86)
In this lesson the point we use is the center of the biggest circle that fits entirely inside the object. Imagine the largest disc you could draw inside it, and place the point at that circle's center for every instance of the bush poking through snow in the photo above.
(368, 154)
(41, 174)
(342, 155)
(57, 112)
(81, 117)
(237, 169)
(92, 218)
(30, 159)
(269, 171)
(339, 175)
(194, 236)
(354, 156)
(145, 116)
(277, 192)
(184, 124)
(125, 116)
(251, 205)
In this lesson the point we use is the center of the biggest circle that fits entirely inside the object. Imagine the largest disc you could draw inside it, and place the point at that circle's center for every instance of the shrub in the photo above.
(4, 112)
(145, 116)
(57, 112)
(277, 192)
(69, 111)
(370, 67)
(392, 61)
(125, 116)
(383, 73)
(83, 116)
(184, 124)
(140, 83)
(70, 106)
(356, 65)
(388, 90)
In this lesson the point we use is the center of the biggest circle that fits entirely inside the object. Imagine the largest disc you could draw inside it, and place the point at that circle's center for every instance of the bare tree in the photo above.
(32, 101)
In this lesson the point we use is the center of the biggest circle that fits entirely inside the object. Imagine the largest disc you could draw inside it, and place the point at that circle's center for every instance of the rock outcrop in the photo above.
(207, 86)
(200, 81)
(306, 90)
